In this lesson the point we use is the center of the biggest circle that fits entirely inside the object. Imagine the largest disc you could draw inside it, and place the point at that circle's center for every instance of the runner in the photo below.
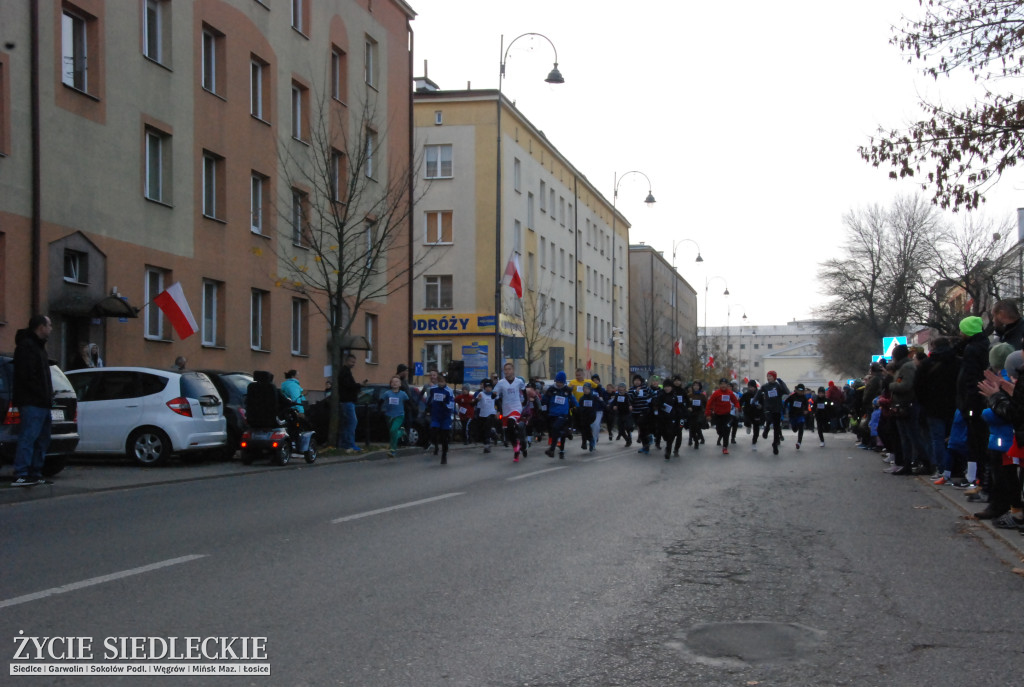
(509, 391)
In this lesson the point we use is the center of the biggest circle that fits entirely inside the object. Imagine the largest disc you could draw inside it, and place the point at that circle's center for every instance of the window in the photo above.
(154, 320)
(371, 338)
(371, 247)
(370, 67)
(529, 211)
(300, 316)
(371, 151)
(259, 84)
(543, 251)
(757, 346)
(438, 227)
(213, 59)
(588, 280)
(438, 355)
(258, 189)
(439, 161)
(571, 225)
(210, 327)
(561, 262)
(561, 210)
(76, 267)
(213, 185)
(543, 197)
(517, 175)
(155, 42)
(339, 71)
(300, 217)
(259, 309)
(300, 107)
(531, 269)
(158, 165)
(517, 236)
(337, 173)
(552, 193)
(299, 18)
(770, 346)
(438, 292)
(74, 51)
(561, 316)
(5, 104)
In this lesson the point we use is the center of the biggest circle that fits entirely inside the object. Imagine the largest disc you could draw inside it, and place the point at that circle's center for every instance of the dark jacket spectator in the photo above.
(348, 388)
(32, 383)
(972, 370)
(935, 383)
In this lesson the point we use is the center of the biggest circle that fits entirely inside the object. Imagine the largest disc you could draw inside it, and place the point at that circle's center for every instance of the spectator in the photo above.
(1008, 323)
(33, 394)
(935, 387)
(293, 391)
(974, 354)
(348, 393)
(179, 364)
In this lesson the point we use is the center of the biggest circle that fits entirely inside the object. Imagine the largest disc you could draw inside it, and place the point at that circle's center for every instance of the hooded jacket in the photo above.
(972, 371)
(32, 383)
(935, 384)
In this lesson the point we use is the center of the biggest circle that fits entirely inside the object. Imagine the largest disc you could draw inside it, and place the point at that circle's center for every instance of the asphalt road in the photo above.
(807, 568)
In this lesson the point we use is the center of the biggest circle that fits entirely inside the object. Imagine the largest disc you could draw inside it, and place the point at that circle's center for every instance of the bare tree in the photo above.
(535, 321)
(650, 334)
(345, 228)
(960, 151)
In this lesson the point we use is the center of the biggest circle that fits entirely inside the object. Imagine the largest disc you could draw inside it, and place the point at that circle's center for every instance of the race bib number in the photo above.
(462, 411)
(696, 403)
(797, 404)
(667, 408)
(439, 398)
(640, 393)
(559, 400)
(679, 399)
(621, 399)
(772, 393)
(392, 401)
(588, 404)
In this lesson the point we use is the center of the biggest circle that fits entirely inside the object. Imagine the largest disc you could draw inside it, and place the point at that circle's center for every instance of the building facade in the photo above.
(662, 316)
(553, 219)
(176, 141)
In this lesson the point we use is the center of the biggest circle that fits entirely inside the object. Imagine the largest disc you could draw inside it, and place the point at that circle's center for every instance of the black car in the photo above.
(372, 422)
(232, 388)
(64, 427)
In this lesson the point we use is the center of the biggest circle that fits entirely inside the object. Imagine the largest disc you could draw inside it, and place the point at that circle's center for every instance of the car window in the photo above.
(365, 396)
(114, 385)
(237, 384)
(60, 380)
(197, 385)
(151, 383)
(6, 376)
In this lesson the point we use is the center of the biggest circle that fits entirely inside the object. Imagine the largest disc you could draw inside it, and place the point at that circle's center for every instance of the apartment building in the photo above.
(149, 142)
(573, 266)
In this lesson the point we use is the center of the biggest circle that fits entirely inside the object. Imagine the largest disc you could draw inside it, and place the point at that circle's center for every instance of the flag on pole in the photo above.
(589, 361)
(173, 304)
(710, 364)
(512, 274)
(677, 347)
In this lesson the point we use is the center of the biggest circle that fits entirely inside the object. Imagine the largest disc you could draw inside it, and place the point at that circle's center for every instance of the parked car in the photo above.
(372, 423)
(64, 426)
(231, 386)
(147, 413)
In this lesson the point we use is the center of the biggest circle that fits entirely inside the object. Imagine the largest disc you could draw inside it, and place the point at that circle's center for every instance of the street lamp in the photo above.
(707, 283)
(553, 77)
(615, 196)
(675, 301)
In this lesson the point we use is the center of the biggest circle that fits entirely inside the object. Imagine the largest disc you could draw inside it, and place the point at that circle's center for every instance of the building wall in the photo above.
(93, 169)
(654, 324)
(561, 244)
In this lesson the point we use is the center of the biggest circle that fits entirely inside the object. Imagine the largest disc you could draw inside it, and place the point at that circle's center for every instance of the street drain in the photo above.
(746, 642)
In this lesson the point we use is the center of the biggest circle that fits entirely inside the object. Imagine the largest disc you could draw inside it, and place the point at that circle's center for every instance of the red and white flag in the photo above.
(710, 364)
(677, 347)
(173, 304)
(512, 275)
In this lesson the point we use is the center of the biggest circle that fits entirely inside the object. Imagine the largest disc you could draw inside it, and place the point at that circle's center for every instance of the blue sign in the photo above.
(417, 369)
(485, 321)
(474, 358)
(891, 342)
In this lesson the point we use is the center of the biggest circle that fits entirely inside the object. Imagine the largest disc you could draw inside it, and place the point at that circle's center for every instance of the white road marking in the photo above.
(537, 472)
(98, 580)
(367, 514)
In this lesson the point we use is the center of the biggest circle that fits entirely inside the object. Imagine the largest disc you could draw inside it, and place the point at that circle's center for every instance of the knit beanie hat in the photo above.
(771, 373)
(1013, 362)
(997, 355)
(560, 378)
(971, 325)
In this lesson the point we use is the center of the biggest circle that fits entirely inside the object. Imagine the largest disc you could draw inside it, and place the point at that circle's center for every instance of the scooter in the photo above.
(291, 437)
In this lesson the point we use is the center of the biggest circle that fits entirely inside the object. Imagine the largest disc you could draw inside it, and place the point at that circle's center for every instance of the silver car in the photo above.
(147, 413)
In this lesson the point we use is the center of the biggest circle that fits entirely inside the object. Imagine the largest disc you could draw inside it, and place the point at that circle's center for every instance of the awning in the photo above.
(113, 306)
(81, 305)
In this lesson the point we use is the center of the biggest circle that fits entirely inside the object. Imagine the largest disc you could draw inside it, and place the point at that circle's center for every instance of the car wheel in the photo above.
(283, 454)
(412, 436)
(248, 457)
(54, 464)
(148, 446)
(310, 454)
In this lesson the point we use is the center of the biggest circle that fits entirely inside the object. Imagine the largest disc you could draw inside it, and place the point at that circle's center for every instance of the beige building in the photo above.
(557, 222)
(179, 142)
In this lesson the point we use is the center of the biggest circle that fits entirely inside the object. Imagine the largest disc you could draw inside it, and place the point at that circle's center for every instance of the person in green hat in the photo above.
(974, 361)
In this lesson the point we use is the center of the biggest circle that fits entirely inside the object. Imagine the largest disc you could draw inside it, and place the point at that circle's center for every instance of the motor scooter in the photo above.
(291, 437)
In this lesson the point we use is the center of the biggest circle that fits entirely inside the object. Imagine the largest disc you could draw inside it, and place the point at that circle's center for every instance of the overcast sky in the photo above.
(745, 115)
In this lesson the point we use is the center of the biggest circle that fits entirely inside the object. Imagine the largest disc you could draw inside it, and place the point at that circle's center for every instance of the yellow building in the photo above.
(552, 217)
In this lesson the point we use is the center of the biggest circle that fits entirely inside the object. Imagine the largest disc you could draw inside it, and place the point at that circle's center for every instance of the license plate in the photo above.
(57, 414)
(263, 435)
(209, 410)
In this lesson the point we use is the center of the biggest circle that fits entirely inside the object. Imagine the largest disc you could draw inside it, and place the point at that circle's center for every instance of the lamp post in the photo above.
(707, 283)
(728, 312)
(615, 196)
(553, 77)
(675, 300)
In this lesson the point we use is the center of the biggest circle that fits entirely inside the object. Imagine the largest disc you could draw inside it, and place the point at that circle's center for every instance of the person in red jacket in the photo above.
(464, 404)
(720, 409)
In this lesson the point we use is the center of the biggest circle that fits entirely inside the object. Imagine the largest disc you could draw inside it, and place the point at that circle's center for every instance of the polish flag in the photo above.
(173, 304)
(677, 347)
(512, 274)
(711, 362)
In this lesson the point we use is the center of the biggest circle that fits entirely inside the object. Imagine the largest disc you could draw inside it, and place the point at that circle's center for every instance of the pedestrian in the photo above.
(666, 409)
(769, 398)
(441, 406)
(935, 388)
(622, 412)
(734, 423)
(822, 413)
(464, 407)
(293, 391)
(88, 356)
(557, 402)
(720, 408)
(589, 404)
(602, 394)
(33, 395)
(179, 364)
(509, 391)
(486, 414)
(682, 407)
(973, 348)
(1008, 323)
(394, 401)
(698, 403)
(1005, 395)
(796, 405)
(640, 397)
(751, 412)
(348, 394)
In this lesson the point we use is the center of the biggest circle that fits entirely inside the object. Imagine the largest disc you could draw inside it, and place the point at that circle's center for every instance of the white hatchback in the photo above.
(147, 413)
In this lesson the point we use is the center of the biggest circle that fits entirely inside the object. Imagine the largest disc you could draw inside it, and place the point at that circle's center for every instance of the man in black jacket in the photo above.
(348, 394)
(1008, 323)
(935, 387)
(33, 395)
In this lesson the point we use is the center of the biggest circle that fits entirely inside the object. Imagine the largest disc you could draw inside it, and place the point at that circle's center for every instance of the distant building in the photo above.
(662, 311)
